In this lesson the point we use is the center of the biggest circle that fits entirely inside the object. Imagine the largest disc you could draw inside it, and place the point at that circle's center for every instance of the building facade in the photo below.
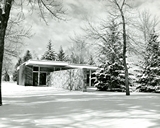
(55, 73)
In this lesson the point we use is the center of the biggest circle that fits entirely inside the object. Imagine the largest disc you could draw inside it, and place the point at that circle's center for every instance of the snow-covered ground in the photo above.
(48, 107)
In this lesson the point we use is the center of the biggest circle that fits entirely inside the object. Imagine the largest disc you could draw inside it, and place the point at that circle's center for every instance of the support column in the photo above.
(90, 82)
(38, 76)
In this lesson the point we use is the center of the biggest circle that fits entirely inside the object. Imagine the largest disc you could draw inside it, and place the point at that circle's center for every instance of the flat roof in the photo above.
(45, 63)
(82, 66)
(66, 65)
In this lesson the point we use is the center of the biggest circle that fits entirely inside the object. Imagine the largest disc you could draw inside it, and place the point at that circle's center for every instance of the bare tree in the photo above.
(35, 55)
(15, 33)
(118, 11)
(146, 24)
(121, 5)
(7, 65)
(14, 37)
(106, 36)
(78, 52)
(53, 7)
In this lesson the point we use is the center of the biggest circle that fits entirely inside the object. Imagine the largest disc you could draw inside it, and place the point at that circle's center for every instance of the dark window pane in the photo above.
(35, 68)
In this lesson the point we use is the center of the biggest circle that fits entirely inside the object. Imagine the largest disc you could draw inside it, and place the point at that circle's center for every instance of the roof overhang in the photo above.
(58, 64)
(45, 63)
(80, 66)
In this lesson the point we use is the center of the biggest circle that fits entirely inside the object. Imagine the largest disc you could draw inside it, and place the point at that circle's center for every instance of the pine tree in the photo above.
(27, 56)
(150, 76)
(61, 55)
(112, 73)
(50, 53)
(18, 63)
(111, 77)
(111, 47)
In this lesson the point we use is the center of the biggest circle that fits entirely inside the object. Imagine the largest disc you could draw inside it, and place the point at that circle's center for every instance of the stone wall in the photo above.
(72, 79)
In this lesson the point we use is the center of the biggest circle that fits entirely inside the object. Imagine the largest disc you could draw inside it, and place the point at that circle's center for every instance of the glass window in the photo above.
(35, 68)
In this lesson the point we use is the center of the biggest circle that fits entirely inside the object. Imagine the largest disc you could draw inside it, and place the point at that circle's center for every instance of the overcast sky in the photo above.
(77, 13)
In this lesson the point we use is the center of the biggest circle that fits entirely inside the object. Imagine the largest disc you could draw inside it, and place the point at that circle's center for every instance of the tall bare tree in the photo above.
(119, 7)
(53, 7)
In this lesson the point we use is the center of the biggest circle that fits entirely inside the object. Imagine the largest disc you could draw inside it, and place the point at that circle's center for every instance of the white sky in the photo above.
(78, 11)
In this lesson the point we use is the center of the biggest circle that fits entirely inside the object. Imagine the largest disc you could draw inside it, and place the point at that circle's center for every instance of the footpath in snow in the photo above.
(48, 107)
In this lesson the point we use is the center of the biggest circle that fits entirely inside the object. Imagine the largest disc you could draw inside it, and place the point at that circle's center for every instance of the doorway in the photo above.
(35, 79)
(42, 78)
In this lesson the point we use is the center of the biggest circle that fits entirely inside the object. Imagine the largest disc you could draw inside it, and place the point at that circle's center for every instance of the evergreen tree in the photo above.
(112, 73)
(111, 47)
(50, 53)
(111, 77)
(61, 55)
(18, 63)
(151, 67)
(27, 56)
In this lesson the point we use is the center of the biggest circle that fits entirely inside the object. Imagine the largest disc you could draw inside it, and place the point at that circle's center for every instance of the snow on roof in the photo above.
(59, 63)
(45, 62)
(91, 67)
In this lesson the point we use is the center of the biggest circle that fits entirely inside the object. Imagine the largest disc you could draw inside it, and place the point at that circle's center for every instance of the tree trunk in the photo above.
(4, 17)
(124, 54)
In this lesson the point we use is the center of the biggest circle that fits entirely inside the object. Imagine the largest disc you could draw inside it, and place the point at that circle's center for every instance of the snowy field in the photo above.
(48, 107)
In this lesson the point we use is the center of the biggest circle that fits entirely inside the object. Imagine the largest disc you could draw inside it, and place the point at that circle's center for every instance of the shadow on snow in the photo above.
(77, 110)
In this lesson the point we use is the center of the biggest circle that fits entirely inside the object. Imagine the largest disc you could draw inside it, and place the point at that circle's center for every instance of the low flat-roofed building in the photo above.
(37, 72)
